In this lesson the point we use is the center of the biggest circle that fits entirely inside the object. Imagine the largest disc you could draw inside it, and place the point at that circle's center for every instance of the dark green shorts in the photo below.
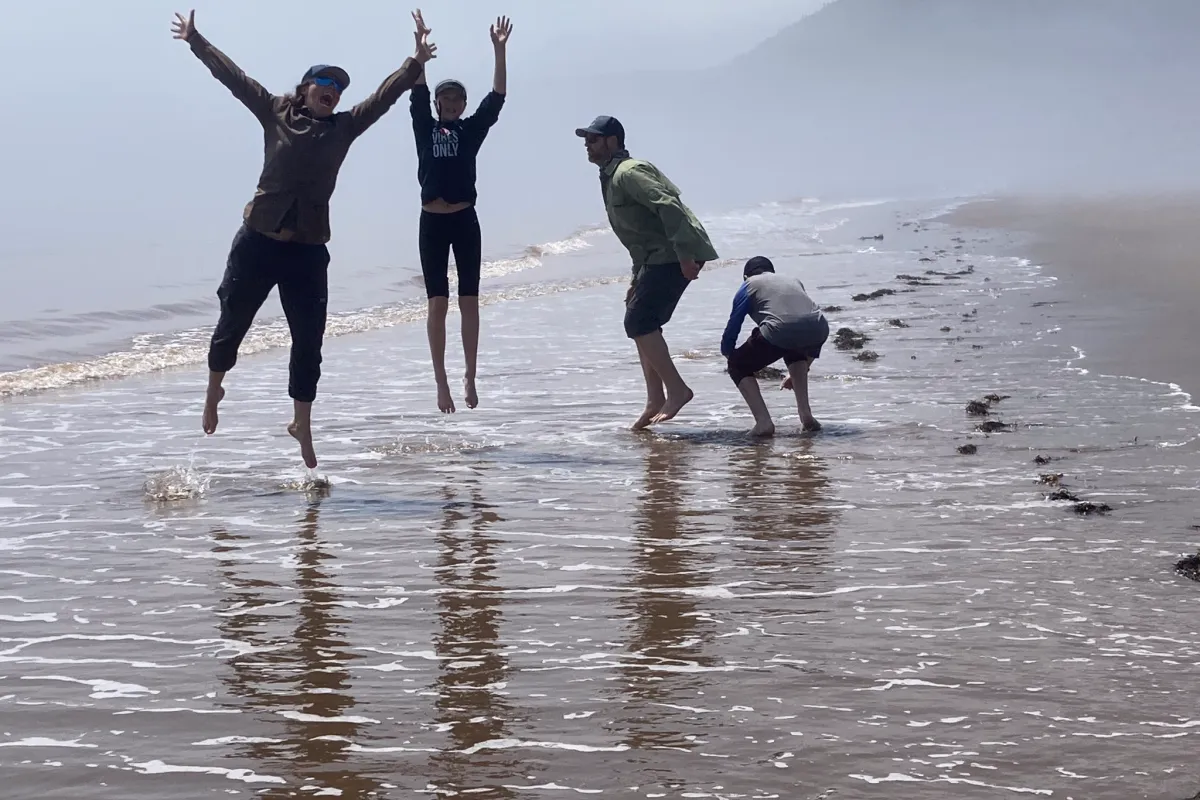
(656, 291)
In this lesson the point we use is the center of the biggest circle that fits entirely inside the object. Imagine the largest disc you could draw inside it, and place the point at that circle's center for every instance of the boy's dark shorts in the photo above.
(758, 353)
(652, 298)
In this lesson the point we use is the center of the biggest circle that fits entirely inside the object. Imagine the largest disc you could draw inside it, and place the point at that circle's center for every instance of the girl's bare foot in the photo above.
(647, 417)
(811, 425)
(211, 399)
(445, 401)
(764, 429)
(469, 389)
(303, 435)
(674, 404)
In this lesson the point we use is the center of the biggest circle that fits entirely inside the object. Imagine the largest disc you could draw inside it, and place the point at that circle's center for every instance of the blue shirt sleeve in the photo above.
(741, 307)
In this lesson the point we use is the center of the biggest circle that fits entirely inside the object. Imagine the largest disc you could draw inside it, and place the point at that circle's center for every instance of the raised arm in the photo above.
(244, 88)
(682, 228)
(741, 307)
(500, 33)
(418, 99)
(488, 112)
(369, 111)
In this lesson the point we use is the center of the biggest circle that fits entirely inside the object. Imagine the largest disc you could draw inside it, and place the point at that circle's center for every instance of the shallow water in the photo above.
(527, 600)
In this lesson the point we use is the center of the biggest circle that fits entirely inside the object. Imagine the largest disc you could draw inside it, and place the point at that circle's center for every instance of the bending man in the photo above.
(668, 246)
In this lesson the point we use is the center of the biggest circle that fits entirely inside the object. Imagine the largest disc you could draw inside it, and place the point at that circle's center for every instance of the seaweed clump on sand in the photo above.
(994, 426)
(832, 309)
(849, 339)
(915, 280)
(1189, 567)
(1050, 478)
(898, 323)
(1062, 496)
(770, 374)
(876, 238)
(977, 408)
(867, 355)
(875, 295)
(967, 450)
(1042, 461)
(1087, 509)
(994, 398)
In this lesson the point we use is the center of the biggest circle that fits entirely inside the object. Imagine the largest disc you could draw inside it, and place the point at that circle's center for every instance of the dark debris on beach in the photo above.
(1189, 567)
(867, 355)
(875, 295)
(967, 450)
(850, 339)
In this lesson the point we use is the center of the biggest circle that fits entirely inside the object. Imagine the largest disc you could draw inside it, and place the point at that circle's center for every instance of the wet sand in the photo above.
(530, 601)
(1129, 270)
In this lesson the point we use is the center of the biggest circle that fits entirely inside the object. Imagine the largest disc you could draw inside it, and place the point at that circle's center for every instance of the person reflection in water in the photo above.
(668, 627)
(300, 664)
(470, 661)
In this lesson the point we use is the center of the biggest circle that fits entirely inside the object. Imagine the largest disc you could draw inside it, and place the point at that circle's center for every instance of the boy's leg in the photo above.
(468, 260)
(434, 246)
(304, 295)
(745, 361)
(798, 370)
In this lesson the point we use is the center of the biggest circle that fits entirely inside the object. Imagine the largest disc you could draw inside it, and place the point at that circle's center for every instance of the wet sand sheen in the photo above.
(529, 600)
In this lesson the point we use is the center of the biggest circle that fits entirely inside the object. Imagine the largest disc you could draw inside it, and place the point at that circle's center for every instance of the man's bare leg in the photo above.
(798, 373)
(763, 426)
(301, 431)
(653, 349)
(468, 307)
(435, 327)
(212, 398)
(656, 397)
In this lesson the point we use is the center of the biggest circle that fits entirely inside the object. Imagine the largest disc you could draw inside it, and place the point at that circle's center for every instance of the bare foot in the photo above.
(764, 429)
(445, 401)
(469, 389)
(647, 417)
(303, 435)
(811, 425)
(674, 405)
(211, 399)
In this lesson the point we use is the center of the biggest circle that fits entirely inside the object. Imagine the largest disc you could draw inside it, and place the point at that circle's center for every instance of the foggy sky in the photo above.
(130, 158)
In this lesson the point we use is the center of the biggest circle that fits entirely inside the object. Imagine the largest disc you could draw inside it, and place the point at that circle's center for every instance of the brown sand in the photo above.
(1127, 267)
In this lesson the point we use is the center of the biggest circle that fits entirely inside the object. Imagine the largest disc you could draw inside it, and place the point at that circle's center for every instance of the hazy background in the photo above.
(129, 165)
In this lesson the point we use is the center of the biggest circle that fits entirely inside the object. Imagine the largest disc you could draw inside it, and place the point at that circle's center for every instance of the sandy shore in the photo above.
(1127, 268)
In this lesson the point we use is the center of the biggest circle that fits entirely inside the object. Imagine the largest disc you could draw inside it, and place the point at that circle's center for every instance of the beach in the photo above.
(1129, 260)
(530, 600)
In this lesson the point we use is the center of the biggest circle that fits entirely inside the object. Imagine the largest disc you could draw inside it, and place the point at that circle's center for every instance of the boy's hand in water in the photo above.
(501, 31)
(184, 28)
(691, 269)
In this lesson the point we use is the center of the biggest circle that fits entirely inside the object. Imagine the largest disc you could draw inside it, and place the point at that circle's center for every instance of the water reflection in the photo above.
(470, 704)
(782, 501)
(668, 627)
(783, 516)
(305, 671)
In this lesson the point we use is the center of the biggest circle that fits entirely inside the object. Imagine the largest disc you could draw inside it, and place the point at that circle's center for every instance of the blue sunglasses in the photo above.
(324, 81)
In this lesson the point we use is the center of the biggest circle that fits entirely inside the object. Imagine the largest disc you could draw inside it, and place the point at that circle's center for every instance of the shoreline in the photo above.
(1125, 266)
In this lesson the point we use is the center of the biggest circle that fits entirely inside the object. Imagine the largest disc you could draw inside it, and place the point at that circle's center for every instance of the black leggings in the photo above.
(256, 264)
(438, 234)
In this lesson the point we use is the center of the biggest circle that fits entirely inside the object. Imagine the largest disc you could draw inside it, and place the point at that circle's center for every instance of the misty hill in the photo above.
(913, 97)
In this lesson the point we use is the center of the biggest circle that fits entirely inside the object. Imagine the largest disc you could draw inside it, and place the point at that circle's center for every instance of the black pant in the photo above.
(438, 234)
(652, 299)
(257, 264)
